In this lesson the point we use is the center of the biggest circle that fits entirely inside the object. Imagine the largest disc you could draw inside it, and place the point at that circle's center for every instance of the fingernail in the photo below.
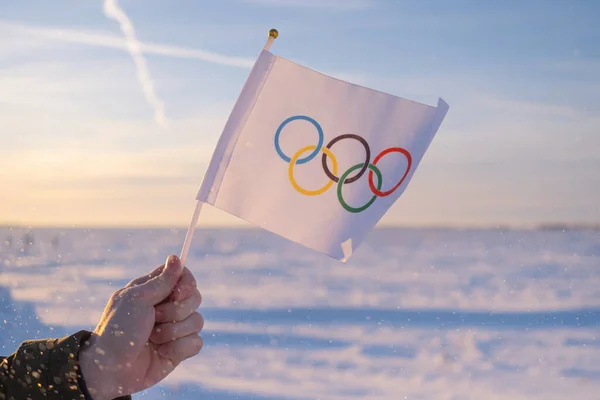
(172, 260)
(171, 264)
(162, 351)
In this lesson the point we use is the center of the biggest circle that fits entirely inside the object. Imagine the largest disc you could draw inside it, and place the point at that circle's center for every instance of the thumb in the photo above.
(160, 287)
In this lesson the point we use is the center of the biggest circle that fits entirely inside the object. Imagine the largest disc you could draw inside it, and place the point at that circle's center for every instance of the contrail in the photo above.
(102, 39)
(113, 11)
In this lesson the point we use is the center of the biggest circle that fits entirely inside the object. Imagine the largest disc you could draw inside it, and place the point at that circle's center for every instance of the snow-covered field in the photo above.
(417, 314)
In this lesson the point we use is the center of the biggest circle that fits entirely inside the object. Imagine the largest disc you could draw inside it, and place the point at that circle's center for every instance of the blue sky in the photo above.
(80, 145)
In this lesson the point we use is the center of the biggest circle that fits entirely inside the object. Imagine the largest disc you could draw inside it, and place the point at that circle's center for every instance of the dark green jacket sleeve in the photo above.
(45, 369)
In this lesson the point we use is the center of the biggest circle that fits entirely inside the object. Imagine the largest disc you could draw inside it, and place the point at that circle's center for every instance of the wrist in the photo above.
(99, 383)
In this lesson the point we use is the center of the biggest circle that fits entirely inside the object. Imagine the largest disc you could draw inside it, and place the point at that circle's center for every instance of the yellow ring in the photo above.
(293, 162)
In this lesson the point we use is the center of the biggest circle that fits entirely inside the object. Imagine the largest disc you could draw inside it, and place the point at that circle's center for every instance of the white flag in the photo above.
(315, 159)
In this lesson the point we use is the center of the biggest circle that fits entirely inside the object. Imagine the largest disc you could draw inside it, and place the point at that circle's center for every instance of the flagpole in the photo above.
(190, 233)
(273, 34)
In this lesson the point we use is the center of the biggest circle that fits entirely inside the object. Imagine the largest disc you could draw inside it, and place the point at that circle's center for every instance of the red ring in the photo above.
(379, 193)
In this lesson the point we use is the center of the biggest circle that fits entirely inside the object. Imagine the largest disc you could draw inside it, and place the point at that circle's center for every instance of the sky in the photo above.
(93, 135)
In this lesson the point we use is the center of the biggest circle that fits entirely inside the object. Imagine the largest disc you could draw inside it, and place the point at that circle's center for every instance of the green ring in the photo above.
(343, 179)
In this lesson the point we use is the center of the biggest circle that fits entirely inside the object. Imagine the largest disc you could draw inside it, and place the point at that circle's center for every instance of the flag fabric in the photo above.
(315, 159)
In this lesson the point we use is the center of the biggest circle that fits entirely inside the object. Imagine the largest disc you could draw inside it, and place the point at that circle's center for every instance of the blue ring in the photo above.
(309, 157)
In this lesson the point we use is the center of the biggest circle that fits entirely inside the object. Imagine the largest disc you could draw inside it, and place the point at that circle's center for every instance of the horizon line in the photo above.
(249, 226)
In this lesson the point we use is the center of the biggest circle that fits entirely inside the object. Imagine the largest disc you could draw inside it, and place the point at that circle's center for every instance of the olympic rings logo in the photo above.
(332, 173)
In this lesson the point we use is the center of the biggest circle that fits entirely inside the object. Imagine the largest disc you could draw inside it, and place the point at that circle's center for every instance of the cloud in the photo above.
(105, 39)
(113, 11)
(332, 4)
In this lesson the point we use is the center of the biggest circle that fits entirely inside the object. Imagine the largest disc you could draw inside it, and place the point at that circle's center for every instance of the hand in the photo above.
(147, 329)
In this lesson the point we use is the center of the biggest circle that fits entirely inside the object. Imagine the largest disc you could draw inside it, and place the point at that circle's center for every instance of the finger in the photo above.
(147, 277)
(181, 349)
(160, 287)
(172, 311)
(170, 331)
(185, 287)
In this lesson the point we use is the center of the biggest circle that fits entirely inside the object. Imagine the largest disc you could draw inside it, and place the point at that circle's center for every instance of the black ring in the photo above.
(362, 170)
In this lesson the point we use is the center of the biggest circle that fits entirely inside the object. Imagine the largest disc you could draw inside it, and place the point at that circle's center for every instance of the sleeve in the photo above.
(45, 370)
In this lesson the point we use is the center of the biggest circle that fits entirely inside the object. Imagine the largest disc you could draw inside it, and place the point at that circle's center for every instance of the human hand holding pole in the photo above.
(147, 329)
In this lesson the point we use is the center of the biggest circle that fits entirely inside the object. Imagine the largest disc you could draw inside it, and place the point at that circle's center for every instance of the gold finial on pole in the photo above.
(273, 34)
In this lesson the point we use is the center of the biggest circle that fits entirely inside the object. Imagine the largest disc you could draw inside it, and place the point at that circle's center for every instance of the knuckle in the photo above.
(118, 295)
(115, 296)
(192, 279)
(197, 299)
(198, 321)
(199, 344)
(195, 345)
(187, 274)
(181, 313)
(184, 309)
(132, 293)
(162, 333)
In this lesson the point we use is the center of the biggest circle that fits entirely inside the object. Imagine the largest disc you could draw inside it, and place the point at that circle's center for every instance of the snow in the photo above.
(415, 313)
